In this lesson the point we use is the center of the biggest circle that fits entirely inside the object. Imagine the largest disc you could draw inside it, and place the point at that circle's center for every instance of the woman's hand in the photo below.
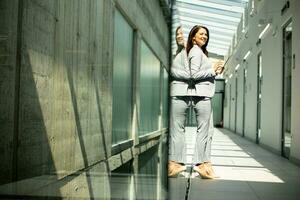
(218, 67)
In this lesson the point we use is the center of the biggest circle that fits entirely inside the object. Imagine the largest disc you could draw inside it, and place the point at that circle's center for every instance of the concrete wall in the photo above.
(271, 49)
(56, 92)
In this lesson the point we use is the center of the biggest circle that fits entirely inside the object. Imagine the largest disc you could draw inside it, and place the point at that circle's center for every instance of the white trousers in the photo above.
(204, 117)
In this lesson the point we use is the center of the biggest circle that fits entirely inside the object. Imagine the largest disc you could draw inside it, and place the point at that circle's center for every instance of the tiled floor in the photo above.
(246, 171)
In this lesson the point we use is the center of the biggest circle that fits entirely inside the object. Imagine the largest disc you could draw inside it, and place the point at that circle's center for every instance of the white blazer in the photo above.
(202, 72)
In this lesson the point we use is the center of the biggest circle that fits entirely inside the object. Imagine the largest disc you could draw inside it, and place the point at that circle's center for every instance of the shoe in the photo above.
(203, 171)
(210, 170)
(175, 168)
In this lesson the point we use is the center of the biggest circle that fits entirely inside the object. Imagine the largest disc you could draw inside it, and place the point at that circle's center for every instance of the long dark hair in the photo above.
(192, 34)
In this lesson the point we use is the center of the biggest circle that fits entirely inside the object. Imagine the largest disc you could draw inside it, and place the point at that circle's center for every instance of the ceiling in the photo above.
(221, 17)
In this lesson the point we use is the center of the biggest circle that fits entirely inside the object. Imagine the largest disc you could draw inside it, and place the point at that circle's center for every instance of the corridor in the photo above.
(246, 171)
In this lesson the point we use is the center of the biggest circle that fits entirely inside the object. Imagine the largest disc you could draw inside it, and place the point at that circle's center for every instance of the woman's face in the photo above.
(179, 37)
(200, 37)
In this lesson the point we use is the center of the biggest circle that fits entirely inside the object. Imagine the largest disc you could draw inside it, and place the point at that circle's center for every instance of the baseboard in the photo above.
(276, 151)
(295, 160)
(249, 138)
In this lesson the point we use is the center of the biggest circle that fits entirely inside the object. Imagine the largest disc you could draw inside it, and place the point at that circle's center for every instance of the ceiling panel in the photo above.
(210, 22)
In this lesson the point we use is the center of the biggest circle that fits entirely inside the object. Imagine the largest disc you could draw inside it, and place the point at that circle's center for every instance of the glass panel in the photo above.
(165, 99)
(149, 91)
(122, 79)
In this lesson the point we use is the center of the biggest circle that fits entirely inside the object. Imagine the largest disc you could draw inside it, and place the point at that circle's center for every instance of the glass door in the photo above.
(287, 75)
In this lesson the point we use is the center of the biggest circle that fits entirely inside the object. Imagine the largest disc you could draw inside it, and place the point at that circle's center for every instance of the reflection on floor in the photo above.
(246, 171)
(119, 186)
(139, 178)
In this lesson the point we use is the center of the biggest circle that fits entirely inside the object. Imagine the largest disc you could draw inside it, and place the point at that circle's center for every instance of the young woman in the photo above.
(203, 73)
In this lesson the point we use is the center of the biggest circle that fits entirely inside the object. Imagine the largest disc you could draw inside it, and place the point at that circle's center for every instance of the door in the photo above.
(229, 105)
(244, 99)
(287, 74)
(259, 84)
(218, 102)
(233, 102)
(239, 100)
(236, 101)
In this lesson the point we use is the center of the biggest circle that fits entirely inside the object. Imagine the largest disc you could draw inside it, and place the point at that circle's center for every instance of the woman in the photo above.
(203, 73)
(184, 94)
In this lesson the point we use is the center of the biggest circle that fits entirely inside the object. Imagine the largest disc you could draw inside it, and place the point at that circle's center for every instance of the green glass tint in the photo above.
(122, 79)
(149, 91)
(165, 98)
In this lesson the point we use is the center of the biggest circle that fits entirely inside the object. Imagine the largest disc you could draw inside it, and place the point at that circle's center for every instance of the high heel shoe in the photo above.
(210, 170)
(175, 168)
(203, 171)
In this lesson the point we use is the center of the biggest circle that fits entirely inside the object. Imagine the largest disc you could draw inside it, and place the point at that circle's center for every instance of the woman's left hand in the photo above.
(220, 67)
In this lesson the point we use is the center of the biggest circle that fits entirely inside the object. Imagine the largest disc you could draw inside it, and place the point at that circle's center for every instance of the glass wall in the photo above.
(149, 91)
(122, 79)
